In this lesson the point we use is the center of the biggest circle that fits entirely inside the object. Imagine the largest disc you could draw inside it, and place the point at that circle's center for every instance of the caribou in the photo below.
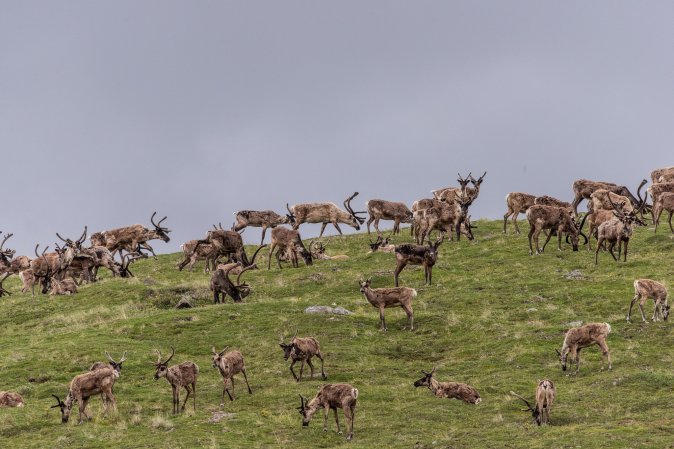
(326, 213)
(132, 238)
(583, 188)
(518, 203)
(288, 242)
(331, 396)
(224, 243)
(6, 256)
(387, 210)
(221, 285)
(83, 386)
(229, 365)
(661, 175)
(578, 338)
(179, 376)
(302, 349)
(552, 218)
(617, 230)
(382, 298)
(426, 256)
(449, 390)
(545, 397)
(665, 202)
(647, 288)
(260, 219)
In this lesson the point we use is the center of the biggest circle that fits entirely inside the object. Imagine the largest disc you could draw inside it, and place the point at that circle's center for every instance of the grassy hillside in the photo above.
(493, 319)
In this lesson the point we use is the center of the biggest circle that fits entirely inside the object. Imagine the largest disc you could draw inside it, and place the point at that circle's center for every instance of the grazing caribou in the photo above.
(221, 285)
(326, 213)
(545, 397)
(302, 349)
(578, 338)
(383, 298)
(83, 386)
(647, 288)
(225, 243)
(331, 396)
(426, 256)
(449, 390)
(552, 218)
(289, 242)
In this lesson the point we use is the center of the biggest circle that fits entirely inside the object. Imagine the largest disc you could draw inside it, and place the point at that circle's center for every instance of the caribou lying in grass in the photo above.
(449, 390)
(11, 399)
(302, 349)
(545, 397)
(179, 376)
(647, 288)
(326, 213)
(578, 338)
(383, 298)
(229, 365)
(331, 396)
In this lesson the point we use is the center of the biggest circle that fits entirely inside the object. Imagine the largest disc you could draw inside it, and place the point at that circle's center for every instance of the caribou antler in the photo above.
(249, 267)
(530, 408)
(347, 206)
(158, 225)
(6, 237)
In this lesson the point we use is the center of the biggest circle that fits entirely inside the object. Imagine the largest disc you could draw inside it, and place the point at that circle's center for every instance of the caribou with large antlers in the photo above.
(449, 390)
(583, 188)
(326, 213)
(331, 396)
(545, 397)
(179, 376)
(260, 219)
(222, 285)
(132, 238)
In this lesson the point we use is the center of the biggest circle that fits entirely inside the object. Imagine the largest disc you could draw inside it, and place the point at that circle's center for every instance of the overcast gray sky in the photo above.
(196, 109)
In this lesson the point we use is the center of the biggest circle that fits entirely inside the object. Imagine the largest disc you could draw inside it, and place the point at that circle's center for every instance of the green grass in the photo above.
(492, 318)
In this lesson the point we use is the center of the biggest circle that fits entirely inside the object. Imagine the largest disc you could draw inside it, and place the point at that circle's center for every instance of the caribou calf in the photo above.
(331, 396)
(578, 338)
(229, 365)
(302, 349)
(449, 390)
(64, 287)
(425, 256)
(545, 397)
(644, 289)
(383, 298)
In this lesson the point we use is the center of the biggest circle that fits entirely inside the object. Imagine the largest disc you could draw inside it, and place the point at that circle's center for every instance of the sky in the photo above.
(110, 110)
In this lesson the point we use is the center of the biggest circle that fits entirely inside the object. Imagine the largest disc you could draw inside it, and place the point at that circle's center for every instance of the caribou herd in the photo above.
(613, 212)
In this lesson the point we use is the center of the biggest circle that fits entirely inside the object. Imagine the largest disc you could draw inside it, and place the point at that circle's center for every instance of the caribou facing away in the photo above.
(326, 213)
(518, 203)
(449, 390)
(331, 396)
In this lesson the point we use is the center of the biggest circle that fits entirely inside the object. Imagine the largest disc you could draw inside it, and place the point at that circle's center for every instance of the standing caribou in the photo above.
(660, 175)
(552, 218)
(545, 397)
(583, 188)
(647, 288)
(518, 203)
(617, 230)
(387, 210)
(179, 376)
(229, 365)
(302, 349)
(657, 190)
(221, 285)
(331, 396)
(260, 219)
(132, 238)
(578, 338)
(383, 298)
(665, 202)
(288, 242)
(83, 386)
(426, 256)
(326, 213)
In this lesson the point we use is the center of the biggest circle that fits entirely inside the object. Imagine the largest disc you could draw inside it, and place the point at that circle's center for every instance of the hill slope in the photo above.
(493, 319)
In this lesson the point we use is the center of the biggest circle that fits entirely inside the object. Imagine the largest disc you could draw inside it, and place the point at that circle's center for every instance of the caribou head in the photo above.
(426, 380)
(159, 231)
(162, 367)
(356, 221)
